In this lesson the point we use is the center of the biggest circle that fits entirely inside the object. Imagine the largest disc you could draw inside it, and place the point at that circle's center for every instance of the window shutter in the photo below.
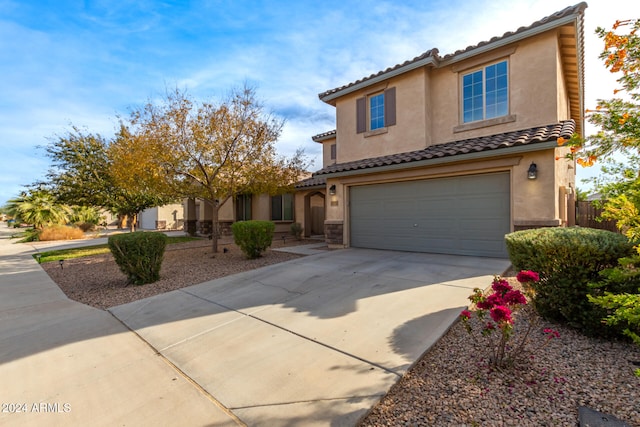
(361, 115)
(390, 106)
(333, 151)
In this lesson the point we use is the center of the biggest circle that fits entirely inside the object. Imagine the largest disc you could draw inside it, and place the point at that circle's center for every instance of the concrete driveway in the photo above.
(313, 341)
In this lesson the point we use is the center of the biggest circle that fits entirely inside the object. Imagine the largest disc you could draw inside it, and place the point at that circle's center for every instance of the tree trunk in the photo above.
(122, 221)
(214, 229)
(134, 218)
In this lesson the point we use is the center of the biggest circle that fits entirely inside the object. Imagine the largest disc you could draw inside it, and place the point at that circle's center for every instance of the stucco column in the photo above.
(190, 222)
(206, 218)
(334, 229)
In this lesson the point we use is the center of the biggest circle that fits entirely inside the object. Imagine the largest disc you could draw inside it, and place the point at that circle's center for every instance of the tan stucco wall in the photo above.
(533, 101)
(533, 202)
(326, 153)
(408, 134)
(564, 106)
(428, 102)
(172, 214)
(428, 113)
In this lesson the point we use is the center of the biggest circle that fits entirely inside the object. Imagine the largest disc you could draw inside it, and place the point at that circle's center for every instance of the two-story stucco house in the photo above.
(449, 153)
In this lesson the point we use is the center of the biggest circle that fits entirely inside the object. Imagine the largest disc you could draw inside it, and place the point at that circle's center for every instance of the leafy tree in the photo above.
(88, 214)
(80, 168)
(213, 151)
(82, 174)
(619, 123)
(39, 208)
(617, 118)
(581, 195)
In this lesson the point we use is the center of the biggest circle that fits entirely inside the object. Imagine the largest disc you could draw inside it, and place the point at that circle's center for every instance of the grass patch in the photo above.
(57, 255)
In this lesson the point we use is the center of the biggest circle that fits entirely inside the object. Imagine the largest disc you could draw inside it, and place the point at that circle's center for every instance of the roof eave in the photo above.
(311, 187)
(580, 60)
(527, 148)
(504, 41)
(323, 138)
(439, 62)
(379, 78)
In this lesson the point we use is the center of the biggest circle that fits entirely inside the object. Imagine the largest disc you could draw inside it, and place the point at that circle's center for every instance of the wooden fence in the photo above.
(587, 215)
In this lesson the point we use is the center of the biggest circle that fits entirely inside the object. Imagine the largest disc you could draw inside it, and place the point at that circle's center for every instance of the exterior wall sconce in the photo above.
(332, 190)
(532, 173)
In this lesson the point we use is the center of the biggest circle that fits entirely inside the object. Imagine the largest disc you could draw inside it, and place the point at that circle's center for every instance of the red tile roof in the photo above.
(323, 136)
(312, 182)
(474, 145)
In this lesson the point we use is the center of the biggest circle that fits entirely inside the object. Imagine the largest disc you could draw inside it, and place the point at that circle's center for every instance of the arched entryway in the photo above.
(314, 208)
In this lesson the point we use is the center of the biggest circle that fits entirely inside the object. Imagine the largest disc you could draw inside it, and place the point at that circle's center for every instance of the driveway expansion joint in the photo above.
(330, 347)
(186, 377)
(296, 402)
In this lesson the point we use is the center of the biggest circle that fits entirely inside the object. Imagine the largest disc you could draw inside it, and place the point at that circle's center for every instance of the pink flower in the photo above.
(528, 276)
(551, 333)
(501, 314)
(495, 299)
(514, 297)
(501, 286)
(489, 326)
(465, 314)
(484, 305)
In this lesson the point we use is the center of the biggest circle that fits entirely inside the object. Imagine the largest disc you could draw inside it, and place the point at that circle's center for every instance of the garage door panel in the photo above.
(460, 215)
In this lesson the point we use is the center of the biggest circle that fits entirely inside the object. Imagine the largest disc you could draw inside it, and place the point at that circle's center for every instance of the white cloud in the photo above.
(84, 63)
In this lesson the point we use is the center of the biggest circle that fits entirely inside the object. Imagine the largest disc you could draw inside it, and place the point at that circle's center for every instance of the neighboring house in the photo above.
(449, 153)
(168, 217)
(277, 208)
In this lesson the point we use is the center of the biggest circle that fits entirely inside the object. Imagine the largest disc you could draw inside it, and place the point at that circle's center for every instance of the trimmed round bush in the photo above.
(139, 255)
(253, 237)
(567, 259)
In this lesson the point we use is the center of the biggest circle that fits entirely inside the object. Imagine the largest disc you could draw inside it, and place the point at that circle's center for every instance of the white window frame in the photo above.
(486, 93)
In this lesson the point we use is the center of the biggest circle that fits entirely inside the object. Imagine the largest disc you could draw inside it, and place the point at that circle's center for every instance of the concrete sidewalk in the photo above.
(66, 364)
(313, 341)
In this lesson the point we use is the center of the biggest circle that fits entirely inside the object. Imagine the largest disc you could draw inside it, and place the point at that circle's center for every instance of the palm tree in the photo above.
(38, 208)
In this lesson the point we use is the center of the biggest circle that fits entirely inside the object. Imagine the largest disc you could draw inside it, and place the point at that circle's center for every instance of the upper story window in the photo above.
(485, 93)
(376, 111)
(282, 207)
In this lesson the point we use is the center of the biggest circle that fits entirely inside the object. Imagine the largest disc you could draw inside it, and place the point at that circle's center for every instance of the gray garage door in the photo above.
(467, 215)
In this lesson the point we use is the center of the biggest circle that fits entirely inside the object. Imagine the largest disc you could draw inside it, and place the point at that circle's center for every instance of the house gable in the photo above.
(429, 90)
(435, 154)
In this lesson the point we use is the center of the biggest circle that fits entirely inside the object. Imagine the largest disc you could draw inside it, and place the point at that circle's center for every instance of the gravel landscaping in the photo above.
(451, 385)
(97, 281)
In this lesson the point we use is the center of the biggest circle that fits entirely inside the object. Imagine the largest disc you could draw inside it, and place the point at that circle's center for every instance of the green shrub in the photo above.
(618, 292)
(139, 255)
(253, 237)
(568, 259)
(28, 235)
(296, 230)
(86, 217)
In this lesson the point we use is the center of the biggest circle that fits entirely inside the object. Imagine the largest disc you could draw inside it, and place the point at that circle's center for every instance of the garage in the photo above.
(464, 215)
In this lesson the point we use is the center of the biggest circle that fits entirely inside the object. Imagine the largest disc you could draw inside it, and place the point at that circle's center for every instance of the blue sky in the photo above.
(82, 63)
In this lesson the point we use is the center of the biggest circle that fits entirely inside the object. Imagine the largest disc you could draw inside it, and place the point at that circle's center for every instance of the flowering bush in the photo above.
(495, 310)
